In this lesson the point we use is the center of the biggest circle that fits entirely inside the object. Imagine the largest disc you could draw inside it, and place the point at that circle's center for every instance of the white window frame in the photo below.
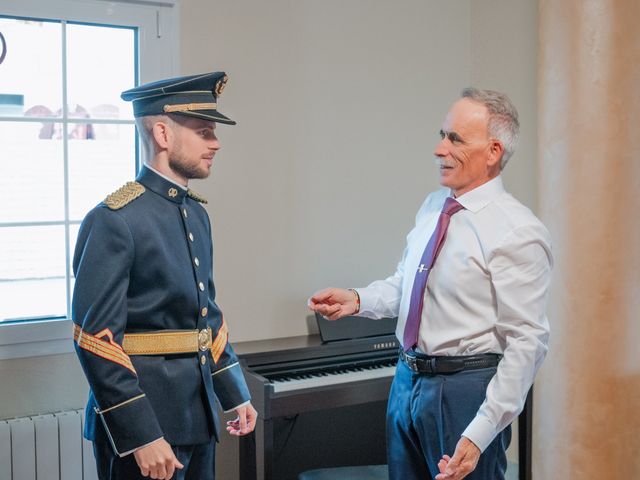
(157, 22)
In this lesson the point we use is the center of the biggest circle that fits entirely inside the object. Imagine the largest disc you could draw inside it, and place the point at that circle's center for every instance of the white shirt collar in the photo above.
(165, 177)
(478, 198)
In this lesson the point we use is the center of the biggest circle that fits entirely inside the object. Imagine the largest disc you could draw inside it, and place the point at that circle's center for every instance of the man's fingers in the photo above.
(323, 296)
(334, 312)
(454, 462)
(326, 309)
(243, 420)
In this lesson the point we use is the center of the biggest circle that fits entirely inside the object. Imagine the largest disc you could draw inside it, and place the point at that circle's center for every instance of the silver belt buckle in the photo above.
(411, 362)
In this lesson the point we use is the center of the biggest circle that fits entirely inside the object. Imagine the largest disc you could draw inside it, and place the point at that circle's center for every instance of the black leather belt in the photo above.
(448, 364)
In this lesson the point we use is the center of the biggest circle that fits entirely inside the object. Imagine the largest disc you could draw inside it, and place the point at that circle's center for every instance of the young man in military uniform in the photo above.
(149, 335)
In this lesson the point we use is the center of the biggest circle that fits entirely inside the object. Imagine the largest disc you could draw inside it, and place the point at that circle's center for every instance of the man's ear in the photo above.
(496, 151)
(162, 134)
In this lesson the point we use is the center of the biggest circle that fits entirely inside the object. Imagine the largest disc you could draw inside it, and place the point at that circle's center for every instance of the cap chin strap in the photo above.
(189, 107)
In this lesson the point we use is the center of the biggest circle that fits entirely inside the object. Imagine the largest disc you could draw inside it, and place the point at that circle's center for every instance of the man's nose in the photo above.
(441, 148)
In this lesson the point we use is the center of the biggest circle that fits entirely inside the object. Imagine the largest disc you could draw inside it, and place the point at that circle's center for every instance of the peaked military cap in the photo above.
(193, 96)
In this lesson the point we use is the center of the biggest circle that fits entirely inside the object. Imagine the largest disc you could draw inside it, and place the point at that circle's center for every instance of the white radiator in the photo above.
(46, 447)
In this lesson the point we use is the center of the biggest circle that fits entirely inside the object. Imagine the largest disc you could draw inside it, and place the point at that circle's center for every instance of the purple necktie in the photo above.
(426, 263)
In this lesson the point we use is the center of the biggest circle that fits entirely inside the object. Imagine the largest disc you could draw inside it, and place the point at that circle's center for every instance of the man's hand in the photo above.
(463, 462)
(334, 303)
(157, 460)
(245, 422)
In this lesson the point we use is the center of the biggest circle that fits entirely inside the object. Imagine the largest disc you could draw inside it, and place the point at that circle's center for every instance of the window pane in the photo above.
(31, 73)
(31, 173)
(32, 272)
(100, 66)
(98, 167)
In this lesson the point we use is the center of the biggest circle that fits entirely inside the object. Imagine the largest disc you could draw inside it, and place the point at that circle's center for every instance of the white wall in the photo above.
(338, 107)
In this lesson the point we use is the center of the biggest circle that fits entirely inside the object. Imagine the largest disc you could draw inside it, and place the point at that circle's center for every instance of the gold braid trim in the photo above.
(196, 196)
(124, 195)
(107, 349)
(220, 342)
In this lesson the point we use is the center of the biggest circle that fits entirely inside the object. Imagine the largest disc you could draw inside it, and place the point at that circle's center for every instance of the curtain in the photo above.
(587, 396)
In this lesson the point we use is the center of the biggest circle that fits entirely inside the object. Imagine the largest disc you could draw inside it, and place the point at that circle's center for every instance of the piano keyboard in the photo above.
(318, 379)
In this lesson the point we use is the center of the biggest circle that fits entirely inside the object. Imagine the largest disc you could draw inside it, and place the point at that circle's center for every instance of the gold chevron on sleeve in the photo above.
(220, 342)
(109, 350)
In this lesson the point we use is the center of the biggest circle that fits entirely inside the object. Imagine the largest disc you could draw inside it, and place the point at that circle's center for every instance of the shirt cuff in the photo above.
(481, 432)
(238, 406)
(365, 303)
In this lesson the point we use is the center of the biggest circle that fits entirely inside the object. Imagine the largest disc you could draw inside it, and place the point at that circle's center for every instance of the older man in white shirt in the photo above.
(475, 335)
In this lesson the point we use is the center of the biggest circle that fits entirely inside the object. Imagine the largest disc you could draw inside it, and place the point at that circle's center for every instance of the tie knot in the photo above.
(451, 206)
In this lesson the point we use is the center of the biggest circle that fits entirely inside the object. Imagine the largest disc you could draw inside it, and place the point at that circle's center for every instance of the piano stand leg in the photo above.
(256, 452)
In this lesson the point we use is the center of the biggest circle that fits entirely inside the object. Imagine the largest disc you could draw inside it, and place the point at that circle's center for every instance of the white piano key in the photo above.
(290, 384)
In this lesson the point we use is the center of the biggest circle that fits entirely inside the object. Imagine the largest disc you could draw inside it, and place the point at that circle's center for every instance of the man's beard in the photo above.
(185, 168)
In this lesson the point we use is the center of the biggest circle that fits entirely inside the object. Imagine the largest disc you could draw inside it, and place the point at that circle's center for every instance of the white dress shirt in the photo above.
(487, 292)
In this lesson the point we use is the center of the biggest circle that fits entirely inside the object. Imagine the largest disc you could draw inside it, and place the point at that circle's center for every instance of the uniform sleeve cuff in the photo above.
(238, 406)
(130, 425)
(136, 449)
(481, 432)
(230, 386)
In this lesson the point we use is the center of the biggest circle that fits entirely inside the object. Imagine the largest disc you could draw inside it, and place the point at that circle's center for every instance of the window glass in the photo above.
(100, 64)
(56, 164)
(31, 73)
(99, 166)
(33, 273)
(31, 174)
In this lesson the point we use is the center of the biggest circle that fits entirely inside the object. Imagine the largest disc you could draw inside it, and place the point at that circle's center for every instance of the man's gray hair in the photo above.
(503, 118)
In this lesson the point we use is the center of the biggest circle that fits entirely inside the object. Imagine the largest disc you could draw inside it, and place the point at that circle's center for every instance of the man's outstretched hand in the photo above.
(334, 303)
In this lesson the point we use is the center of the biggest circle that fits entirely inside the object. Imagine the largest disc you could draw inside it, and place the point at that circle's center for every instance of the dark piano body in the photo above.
(300, 385)
(310, 393)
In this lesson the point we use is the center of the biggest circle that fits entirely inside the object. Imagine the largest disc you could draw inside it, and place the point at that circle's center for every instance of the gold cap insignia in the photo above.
(124, 195)
(173, 192)
(220, 85)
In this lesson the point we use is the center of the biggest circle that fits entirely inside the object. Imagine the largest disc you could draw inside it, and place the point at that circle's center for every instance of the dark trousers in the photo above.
(198, 461)
(426, 416)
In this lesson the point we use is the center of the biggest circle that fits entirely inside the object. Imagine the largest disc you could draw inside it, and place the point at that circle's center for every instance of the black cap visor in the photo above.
(211, 115)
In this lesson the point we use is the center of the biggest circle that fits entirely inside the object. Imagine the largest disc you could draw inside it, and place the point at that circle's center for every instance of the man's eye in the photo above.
(442, 135)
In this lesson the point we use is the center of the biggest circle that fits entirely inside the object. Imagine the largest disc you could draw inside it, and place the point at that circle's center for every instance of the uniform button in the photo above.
(196, 262)
(204, 311)
(191, 236)
(201, 286)
(184, 212)
(203, 359)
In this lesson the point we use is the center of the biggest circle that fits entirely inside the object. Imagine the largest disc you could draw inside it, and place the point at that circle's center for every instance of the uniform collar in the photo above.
(478, 198)
(161, 185)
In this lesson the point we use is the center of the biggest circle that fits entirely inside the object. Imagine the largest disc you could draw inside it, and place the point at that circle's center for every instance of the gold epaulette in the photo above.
(124, 195)
(196, 196)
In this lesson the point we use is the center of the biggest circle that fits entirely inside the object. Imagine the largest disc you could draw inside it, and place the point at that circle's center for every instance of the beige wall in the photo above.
(338, 107)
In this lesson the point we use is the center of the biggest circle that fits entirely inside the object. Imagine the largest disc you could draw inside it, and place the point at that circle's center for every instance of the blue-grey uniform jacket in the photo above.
(143, 263)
